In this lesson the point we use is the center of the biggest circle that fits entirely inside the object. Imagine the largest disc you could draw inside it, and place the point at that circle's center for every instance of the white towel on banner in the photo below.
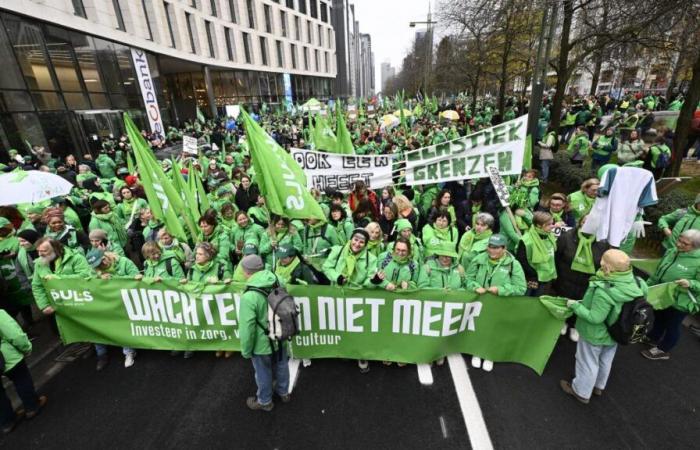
(623, 193)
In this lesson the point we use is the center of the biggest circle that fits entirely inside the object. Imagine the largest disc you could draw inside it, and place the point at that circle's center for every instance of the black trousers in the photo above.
(24, 385)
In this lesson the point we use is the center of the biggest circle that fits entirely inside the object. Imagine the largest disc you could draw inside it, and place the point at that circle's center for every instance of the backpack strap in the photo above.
(169, 266)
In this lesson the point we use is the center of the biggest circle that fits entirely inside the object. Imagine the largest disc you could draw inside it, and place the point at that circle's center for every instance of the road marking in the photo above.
(473, 419)
(443, 427)
(293, 372)
(425, 374)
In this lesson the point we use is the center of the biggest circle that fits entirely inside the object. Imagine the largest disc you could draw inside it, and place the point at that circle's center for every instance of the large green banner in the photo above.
(411, 326)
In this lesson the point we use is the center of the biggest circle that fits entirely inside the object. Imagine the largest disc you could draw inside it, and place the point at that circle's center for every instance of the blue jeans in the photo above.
(101, 350)
(593, 364)
(667, 328)
(544, 165)
(24, 385)
(269, 368)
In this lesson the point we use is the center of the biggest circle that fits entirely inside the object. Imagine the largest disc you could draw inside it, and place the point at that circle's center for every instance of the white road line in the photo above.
(425, 374)
(473, 419)
(293, 372)
(443, 427)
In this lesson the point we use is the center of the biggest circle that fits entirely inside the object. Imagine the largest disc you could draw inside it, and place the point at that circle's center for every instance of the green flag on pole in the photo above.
(323, 136)
(196, 187)
(527, 156)
(344, 141)
(165, 203)
(130, 163)
(191, 208)
(200, 115)
(282, 182)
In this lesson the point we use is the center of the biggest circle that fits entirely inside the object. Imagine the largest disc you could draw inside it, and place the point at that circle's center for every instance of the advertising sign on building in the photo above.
(148, 90)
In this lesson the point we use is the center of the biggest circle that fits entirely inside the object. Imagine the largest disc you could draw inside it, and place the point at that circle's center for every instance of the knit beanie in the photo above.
(29, 235)
(252, 263)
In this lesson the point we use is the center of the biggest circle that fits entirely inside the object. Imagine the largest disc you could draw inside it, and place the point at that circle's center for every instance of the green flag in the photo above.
(130, 163)
(166, 205)
(200, 115)
(196, 187)
(344, 141)
(281, 180)
(323, 136)
(191, 207)
(527, 156)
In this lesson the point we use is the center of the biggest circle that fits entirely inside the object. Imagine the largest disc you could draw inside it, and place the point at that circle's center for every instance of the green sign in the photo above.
(411, 326)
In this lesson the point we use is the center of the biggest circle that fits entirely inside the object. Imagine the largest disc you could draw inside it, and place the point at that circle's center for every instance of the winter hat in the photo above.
(29, 235)
(4, 222)
(250, 249)
(445, 250)
(130, 180)
(252, 263)
(498, 240)
(35, 209)
(98, 235)
(403, 224)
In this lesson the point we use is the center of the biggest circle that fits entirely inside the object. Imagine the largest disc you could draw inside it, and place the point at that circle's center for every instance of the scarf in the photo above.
(116, 225)
(203, 269)
(442, 234)
(350, 261)
(284, 273)
(375, 247)
(470, 237)
(520, 222)
(530, 183)
(583, 258)
(539, 254)
(557, 216)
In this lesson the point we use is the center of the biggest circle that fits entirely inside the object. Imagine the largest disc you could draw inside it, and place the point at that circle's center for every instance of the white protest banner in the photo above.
(233, 111)
(189, 145)
(499, 186)
(370, 111)
(148, 90)
(352, 112)
(329, 170)
(468, 157)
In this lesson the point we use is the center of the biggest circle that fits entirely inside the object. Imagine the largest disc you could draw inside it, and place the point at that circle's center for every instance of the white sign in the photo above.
(189, 145)
(470, 156)
(329, 170)
(148, 90)
(233, 111)
(499, 186)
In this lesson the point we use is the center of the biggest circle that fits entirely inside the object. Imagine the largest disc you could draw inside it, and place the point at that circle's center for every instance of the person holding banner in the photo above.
(475, 241)
(496, 272)
(440, 233)
(443, 271)
(318, 238)
(291, 269)
(397, 269)
(216, 235)
(404, 230)
(159, 265)
(339, 220)
(536, 254)
(351, 264)
(244, 231)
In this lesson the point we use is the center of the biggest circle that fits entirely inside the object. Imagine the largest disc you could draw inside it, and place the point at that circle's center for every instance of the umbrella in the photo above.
(389, 121)
(311, 105)
(31, 187)
(450, 114)
(406, 112)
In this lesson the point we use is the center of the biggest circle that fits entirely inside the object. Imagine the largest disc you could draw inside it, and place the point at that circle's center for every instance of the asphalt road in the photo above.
(168, 402)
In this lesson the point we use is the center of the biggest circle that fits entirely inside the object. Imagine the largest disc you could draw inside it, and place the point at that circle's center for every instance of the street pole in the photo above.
(549, 20)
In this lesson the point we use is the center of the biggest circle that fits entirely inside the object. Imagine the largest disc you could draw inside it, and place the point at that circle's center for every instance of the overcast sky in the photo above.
(387, 22)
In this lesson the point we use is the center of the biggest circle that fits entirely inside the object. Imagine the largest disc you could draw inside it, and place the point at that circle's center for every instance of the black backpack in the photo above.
(282, 313)
(635, 322)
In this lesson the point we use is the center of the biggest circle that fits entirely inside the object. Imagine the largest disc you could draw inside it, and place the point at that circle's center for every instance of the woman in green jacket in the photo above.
(130, 207)
(279, 233)
(160, 266)
(244, 231)
(443, 271)
(536, 253)
(440, 233)
(318, 238)
(103, 218)
(217, 235)
(523, 220)
(680, 266)
(14, 346)
(341, 222)
(581, 202)
(475, 241)
(678, 221)
(376, 244)
(608, 290)
(259, 213)
(396, 269)
(351, 264)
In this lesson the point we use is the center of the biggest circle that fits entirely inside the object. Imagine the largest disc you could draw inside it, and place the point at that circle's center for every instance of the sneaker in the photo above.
(597, 392)
(646, 340)
(566, 387)
(252, 403)
(228, 354)
(188, 355)
(40, 405)
(129, 359)
(573, 334)
(286, 398)
(563, 330)
(363, 365)
(218, 354)
(655, 353)
(102, 362)
(476, 362)
(7, 429)
(487, 365)
(440, 361)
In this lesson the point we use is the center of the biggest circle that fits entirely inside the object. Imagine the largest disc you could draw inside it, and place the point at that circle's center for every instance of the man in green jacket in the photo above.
(55, 260)
(612, 286)
(15, 345)
(255, 344)
(496, 271)
(680, 266)
(443, 271)
(680, 220)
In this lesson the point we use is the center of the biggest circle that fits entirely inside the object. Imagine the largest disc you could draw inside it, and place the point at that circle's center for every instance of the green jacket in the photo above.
(15, 343)
(656, 150)
(434, 276)
(122, 267)
(434, 241)
(478, 246)
(221, 240)
(344, 230)
(124, 209)
(72, 263)
(679, 221)
(546, 271)
(106, 166)
(630, 151)
(507, 274)
(319, 239)
(602, 303)
(677, 265)
(284, 238)
(396, 272)
(508, 230)
(109, 227)
(252, 316)
(240, 236)
(365, 266)
(160, 268)
(579, 144)
(214, 269)
(580, 204)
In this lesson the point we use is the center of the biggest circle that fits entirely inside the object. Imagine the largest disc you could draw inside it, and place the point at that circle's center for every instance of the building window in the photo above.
(79, 8)
(263, 50)
(246, 48)
(316, 61)
(330, 38)
(320, 36)
(325, 57)
(190, 31)
(193, 3)
(302, 6)
(313, 9)
(283, 22)
(306, 58)
(324, 12)
(232, 10)
(268, 19)
(297, 28)
(118, 14)
(309, 34)
(213, 8)
(210, 40)
(293, 51)
(251, 13)
(148, 22)
(228, 34)
(168, 17)
(280, 54)
(290, 4)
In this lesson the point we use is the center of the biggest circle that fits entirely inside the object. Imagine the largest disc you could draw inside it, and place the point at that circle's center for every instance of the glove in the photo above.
(569, 303)
(341, 280)
(638, 228)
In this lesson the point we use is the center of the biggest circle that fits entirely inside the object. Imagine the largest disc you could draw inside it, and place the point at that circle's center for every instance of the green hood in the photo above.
(623, 287)
(262, 279)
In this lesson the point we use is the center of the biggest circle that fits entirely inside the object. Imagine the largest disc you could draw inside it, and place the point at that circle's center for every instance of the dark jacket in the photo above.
(245, 199)
(571, 283)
